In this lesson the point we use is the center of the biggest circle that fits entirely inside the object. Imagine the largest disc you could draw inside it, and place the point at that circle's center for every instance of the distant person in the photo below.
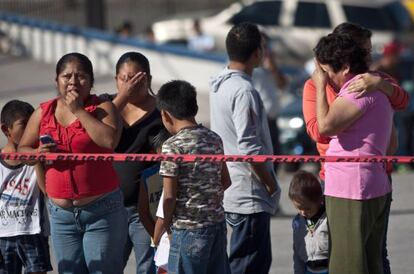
(24, 225)
(87, 214)
(389, 62)
(125, 29)
(310, 227)
(4, 42)
(238, 116)
(270, 82)
(358, 195)
(201, 41)
(193, 192)
(149, 34)
(141, 121)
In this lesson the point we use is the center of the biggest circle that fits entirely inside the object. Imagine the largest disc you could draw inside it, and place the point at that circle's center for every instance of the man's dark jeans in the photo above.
(250, 246)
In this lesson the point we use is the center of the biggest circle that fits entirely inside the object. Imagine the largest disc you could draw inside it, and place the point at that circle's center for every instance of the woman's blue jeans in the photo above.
(250, 245)
(139, 239)
(90, 239)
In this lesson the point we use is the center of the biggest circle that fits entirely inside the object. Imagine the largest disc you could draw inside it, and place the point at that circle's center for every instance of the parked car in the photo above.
(293, 137)
(296, 24)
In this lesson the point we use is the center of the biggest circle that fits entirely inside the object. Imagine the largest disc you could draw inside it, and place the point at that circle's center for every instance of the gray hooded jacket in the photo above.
(238, 116)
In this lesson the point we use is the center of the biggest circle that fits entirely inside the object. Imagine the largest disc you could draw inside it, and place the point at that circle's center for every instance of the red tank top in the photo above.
(80, 179)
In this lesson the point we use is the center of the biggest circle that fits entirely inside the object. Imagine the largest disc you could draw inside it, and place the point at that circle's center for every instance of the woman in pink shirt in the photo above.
(357, 194)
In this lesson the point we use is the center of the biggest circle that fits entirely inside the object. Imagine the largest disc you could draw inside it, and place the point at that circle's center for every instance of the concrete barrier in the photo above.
(47, 41)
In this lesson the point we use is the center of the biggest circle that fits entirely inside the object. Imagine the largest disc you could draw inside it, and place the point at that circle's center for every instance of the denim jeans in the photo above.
(90, 239)
(201, 251)
(139, 239)
(250, 246)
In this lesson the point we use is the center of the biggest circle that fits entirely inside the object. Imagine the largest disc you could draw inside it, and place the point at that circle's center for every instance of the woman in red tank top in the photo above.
(88, 220)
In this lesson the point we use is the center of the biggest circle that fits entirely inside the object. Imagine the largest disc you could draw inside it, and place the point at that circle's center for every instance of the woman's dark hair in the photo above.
(305, 187)
(75, 56)
(338, 50)
(357, 32)
(137, 58)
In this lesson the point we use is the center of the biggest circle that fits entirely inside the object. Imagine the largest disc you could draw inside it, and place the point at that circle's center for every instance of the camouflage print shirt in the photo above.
(199, 190)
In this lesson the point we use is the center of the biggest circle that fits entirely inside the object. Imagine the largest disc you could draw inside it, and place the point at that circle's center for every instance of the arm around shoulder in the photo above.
(398, 97)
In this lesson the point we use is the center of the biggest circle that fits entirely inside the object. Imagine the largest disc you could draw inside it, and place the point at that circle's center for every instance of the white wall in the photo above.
(46, 45)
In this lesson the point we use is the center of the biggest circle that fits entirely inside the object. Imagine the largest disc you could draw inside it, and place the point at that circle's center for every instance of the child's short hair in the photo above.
(305, 187)
(179, 98)
(14, 110)
(159, 139)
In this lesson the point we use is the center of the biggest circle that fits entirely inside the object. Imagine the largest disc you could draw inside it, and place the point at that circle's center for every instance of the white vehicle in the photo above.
(296, 24)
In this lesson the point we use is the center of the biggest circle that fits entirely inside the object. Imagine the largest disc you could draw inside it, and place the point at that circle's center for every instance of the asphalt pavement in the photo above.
(24, 79)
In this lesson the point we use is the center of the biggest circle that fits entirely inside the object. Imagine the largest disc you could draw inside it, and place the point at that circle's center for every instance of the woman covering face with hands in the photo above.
(357, 194)
(88, 220)
(141, 121)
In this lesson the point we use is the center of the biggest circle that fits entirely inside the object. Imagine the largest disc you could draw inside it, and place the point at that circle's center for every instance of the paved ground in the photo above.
(24, 79)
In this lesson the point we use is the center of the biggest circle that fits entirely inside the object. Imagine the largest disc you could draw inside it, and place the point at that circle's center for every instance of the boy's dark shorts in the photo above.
(28, 251)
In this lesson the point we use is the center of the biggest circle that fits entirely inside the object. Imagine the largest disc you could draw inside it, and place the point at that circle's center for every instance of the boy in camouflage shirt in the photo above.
(193, 191)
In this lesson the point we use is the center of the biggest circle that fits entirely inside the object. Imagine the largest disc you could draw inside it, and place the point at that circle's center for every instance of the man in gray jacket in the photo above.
(238, 116)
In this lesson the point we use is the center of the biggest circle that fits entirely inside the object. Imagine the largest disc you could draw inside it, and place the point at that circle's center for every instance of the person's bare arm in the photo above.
(265, 177)
(368, 82)
(170, 199)
(40, 175)
(104, 130)
(339, 116)
(29, 143)
(159, 230)
(30, 139)
(225, 177)
(144, 210)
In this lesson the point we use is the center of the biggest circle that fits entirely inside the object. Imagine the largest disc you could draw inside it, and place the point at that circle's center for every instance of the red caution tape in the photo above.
(115, 157)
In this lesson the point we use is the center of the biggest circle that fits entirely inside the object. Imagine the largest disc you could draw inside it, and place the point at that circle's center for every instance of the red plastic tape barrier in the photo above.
(202, 158)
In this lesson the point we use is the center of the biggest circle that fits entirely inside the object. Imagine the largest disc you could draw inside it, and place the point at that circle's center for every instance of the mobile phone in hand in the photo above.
(46, 139)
